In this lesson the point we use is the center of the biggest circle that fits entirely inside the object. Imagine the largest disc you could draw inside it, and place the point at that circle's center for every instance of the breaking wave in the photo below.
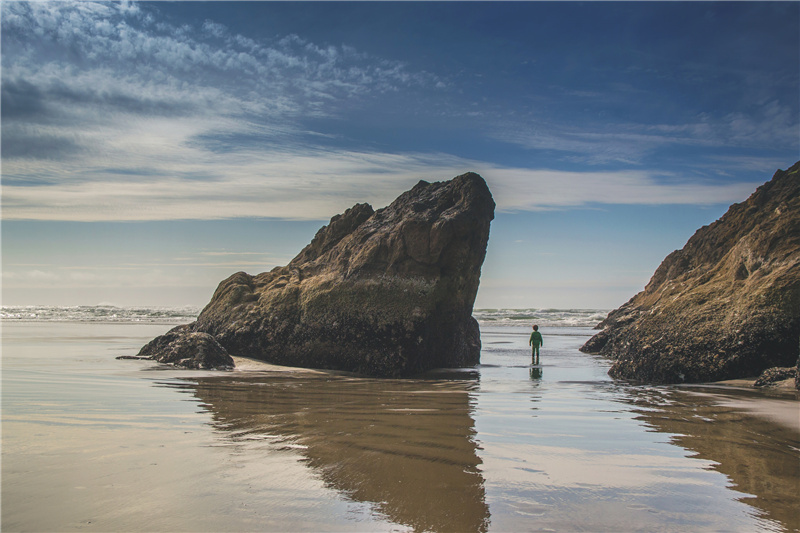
(100, 313)
(182, 315)
(543, 317)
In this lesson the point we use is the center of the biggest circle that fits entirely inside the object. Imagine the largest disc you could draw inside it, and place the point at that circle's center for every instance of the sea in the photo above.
(93, 443)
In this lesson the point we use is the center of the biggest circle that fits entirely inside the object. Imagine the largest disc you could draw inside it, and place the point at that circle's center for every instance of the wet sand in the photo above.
(766, 402)
(107, 445)
(782, 412)
(787, 385)
(248, 364)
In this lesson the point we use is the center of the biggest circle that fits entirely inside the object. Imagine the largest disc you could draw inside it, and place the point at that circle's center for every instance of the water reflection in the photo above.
(760, 457)
(405, 447)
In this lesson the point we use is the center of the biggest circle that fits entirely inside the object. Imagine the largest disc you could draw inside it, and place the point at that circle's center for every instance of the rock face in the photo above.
(726, 306)
(774, 375)
(185, 348)
(383, 293)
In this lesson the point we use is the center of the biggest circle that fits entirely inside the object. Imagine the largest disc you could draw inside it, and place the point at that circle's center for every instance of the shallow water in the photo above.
(93, 443)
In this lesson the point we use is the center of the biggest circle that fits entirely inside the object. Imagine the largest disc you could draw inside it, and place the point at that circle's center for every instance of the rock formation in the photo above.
(185, 348)
(775, 375)
(725, 306)
(383, 293)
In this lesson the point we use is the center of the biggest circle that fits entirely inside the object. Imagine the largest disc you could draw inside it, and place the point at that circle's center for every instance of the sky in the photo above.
(151, 149)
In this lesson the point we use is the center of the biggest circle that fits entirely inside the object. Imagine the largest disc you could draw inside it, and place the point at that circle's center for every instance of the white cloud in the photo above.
(318, 185)
(531, 189)
(159, 122)
(215, 29)
(282, 185)
(27, 277)
(109, 37)
(140, 275)
(771, 126)
(85, 77)
(42, 275)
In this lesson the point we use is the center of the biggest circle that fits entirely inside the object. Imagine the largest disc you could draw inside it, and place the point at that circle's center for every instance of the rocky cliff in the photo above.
(384, 293)
(725, 306)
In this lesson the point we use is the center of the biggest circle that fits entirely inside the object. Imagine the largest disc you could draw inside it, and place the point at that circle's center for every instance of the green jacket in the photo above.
(536, 339)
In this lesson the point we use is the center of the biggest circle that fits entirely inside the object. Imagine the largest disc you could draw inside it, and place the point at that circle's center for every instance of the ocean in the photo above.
(93, 443)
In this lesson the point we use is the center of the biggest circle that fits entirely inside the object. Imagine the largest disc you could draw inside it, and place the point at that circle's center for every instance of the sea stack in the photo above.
(381, 293)
(725, 306)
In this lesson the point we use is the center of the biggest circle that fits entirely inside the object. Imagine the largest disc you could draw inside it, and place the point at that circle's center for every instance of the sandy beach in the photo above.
(128, 445)
(777, 403)
(407, 193)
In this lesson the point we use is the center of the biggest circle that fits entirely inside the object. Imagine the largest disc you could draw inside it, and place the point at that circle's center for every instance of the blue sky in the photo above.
(151, 149)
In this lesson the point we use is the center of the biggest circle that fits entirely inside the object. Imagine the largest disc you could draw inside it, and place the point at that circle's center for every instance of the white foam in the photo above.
(183, 315)
(543, 317)
(100, 313)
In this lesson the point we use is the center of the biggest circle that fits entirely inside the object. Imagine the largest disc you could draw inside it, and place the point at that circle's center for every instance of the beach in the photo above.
(99, 444)
(393, 196)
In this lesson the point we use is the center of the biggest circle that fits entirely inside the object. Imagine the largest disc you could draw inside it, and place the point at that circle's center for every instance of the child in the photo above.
(535, 342)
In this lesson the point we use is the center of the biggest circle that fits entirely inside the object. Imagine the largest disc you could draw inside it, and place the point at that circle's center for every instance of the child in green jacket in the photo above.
(534, 343)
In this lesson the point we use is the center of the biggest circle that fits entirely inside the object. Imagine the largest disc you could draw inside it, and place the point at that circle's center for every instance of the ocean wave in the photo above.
(182, 315)
(543, 317)
(99, 313)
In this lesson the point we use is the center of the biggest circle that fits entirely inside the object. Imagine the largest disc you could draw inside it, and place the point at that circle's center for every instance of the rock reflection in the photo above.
(760, 457)
(406, 447)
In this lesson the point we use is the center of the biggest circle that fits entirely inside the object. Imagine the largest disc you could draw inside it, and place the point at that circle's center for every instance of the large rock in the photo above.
(725, 306)
(384, 293)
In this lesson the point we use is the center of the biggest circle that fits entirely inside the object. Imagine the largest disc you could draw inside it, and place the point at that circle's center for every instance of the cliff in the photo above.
(725, 306)
(384, 293)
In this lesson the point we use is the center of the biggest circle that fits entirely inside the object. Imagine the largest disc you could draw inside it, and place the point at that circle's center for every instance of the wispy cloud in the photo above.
(526, 189)
(224, 253)
(156, 121)
(295, 186)
(112, 114)
(769, 125)
(206, 269)
(83, 77)
(282, 185)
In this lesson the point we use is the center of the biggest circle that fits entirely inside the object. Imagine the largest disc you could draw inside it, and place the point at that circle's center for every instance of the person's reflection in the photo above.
(405, 446)
(536, 373)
